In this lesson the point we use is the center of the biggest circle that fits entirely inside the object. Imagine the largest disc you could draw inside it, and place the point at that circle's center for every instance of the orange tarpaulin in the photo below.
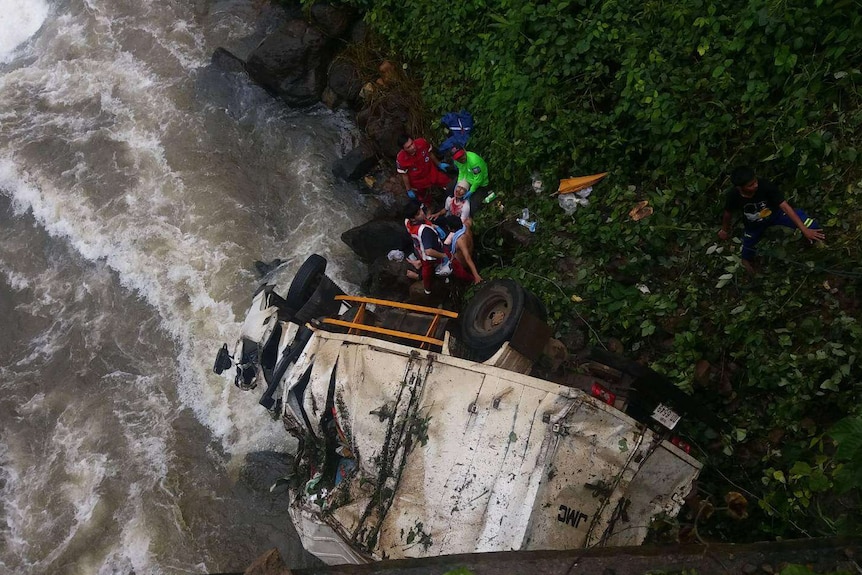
(571, 185)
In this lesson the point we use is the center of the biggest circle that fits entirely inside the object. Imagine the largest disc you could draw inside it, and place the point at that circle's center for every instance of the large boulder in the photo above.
(355, 163)
(291, 63)
(377, 238)
(344, 82)
(226, 61)
(333, 21)
(388, 279)
(384, 120)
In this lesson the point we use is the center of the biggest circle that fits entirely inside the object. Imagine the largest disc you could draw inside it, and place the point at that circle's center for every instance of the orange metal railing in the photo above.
(357, 326)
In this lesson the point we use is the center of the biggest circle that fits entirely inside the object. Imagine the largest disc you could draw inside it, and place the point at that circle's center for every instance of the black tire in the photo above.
(536, 306)
(305, 281)
(491, 317)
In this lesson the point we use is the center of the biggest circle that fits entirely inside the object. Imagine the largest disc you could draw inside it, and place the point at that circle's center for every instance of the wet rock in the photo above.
(748, 569)
(332, 20)
(615, 345)
(701, 373)
(344, 82)
(270, 563)
(377, 238)
(575, 340)
(356, 163)
(359, 33)
(227, 62)
(515, 235)
(388, 279)
(384, 120)
(554, 354)
(291, 63)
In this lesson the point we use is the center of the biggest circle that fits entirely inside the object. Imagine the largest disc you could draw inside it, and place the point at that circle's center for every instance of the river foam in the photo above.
(19, 21)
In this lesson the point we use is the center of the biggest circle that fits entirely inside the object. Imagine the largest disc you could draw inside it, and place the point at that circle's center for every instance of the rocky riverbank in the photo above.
(304, 58)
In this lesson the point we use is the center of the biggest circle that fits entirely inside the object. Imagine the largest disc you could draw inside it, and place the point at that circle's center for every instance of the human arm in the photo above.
(724, 232)
(434, 253)
(464, 250)
(810, 235)
(406, 181)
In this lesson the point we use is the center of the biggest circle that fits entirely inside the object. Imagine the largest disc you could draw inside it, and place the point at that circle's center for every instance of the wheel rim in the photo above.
(494, 313)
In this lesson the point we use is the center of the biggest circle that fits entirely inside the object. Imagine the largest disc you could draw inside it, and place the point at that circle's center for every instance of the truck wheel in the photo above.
(535, 306)
(305, 281)
(490, 319)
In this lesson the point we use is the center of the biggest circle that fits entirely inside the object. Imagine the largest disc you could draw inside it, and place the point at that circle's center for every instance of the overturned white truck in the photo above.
(421, 433)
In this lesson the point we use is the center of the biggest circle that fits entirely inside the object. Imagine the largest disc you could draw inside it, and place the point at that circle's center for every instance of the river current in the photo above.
(138, 184)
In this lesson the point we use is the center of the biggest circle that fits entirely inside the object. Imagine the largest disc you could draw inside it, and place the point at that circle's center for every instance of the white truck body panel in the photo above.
(453, 456)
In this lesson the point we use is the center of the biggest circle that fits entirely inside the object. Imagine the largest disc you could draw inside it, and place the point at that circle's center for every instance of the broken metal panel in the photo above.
(322, 540)
(595, 460)
(659, 487)
(292, 400)
(318, 386)
(598, 454)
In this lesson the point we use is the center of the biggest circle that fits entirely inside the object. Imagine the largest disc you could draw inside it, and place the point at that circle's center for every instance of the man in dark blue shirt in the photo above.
(763, 206)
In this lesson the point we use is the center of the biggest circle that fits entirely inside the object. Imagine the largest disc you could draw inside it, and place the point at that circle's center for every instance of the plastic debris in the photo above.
(641, 210)
(444, 268)
(538, 185)
(489, 198)
(577, 299)
(524, 220)
(345, 466)
(643, 289)
(395, 256)
(571, 202)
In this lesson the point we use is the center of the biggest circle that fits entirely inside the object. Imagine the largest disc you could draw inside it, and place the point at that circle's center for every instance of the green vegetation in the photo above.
(668, 96)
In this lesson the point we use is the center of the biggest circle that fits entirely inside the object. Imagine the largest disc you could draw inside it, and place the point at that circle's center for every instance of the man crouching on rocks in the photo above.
(426, 242)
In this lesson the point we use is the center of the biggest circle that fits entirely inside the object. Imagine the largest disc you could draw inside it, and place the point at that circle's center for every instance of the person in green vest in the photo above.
(473, 169)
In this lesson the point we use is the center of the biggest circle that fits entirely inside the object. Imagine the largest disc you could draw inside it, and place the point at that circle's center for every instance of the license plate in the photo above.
(666, 416)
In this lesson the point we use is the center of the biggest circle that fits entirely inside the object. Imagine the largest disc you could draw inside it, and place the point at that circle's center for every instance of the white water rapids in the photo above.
(137, 186)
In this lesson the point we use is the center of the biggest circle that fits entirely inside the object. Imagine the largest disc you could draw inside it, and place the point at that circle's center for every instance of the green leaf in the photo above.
(778, 475)
(800, 469)
(847, 433)
(829, 385)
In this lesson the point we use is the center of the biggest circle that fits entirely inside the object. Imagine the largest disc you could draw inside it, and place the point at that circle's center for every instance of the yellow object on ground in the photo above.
(570, 185)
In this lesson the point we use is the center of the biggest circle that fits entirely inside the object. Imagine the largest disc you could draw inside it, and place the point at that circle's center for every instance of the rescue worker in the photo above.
(426, 242)
(763, 206)
(473, 169)
(420, 169)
